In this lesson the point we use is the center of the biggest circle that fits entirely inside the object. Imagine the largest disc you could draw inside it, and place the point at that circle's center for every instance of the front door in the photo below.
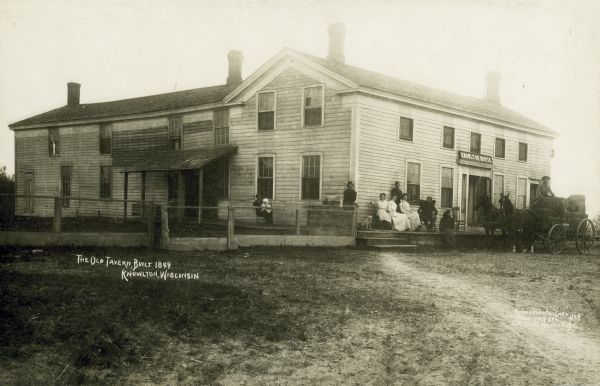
(533, 191)
(478, 186)
(191, 180)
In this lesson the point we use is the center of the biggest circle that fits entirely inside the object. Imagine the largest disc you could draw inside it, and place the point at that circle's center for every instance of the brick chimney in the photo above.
(493, 87)
(73, 93)
(337, 33)
(235, 67)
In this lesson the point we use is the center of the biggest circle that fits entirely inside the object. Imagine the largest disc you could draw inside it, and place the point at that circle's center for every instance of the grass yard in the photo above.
(300, 316)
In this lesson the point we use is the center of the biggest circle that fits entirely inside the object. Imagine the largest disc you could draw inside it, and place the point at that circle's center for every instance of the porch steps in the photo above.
(390, 239)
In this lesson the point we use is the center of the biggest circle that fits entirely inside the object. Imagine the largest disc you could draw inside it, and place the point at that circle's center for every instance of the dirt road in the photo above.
(566, 353)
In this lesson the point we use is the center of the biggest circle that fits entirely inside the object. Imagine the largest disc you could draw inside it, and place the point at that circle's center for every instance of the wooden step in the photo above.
(394, 246)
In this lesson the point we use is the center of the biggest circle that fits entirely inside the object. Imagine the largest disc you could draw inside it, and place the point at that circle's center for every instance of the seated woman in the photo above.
(382, 209)
(399, 220)
(414, 221)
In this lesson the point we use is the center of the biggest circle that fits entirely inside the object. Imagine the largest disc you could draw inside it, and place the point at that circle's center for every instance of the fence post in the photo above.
(354, 220)
(164, 226)
(56, 224)
(150, 214)
(297, 221)
(230, 227)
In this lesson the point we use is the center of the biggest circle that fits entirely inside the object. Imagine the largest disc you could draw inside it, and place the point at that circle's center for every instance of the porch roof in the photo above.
(164, 160)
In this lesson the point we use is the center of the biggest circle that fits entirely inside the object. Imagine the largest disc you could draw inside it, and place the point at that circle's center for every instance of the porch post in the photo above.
(200, 193)
(125, 189)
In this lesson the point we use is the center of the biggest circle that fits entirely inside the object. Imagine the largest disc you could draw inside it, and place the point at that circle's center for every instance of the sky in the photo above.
(547, 51)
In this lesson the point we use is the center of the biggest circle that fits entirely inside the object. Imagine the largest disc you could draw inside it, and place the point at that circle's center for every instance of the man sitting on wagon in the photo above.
(545, 190)
(428, 213)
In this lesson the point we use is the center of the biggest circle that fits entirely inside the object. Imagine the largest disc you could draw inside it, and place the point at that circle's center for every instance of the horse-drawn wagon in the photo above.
(554, 220)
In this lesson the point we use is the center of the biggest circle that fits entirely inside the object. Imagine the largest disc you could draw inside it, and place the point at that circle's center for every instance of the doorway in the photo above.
(478, 186)
(191, 180)
(533, 191)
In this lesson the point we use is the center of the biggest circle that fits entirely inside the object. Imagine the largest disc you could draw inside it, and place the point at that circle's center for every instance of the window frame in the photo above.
(494, 174)
(521, 177)
(66, 202)
(256, 169)
(310, 154)
(413, 161)
(519, 151)
(303, 110)
(56, 141)
(442, 167)
(503, 148)
(412, 129)
(100, 127)
(215, 128)
(471, 142)
(274, 110)
(444, 127)
(170, 137)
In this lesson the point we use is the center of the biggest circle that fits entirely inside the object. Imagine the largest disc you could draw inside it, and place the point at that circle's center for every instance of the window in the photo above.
(105, 181)
(105, 138)
(29, 192)
(498, 189)
(175, 131)
(313, 106)
(311, 177)
(521, 193)
(500, 148)
(65, 184)
(53, 141)
(475, 143)
(221, 123)
(413, 182)
(266, 110)
(448, 141)
(522, 151)
(173, 187)
(447, 187)
(406, 129)
(264, 177)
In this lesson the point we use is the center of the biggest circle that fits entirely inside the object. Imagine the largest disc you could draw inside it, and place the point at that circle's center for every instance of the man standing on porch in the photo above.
(349, 194)
(396, 191)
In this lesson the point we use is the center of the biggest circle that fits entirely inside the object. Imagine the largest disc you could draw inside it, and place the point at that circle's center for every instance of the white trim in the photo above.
(453, 148)
(258, 74)
(302, 155)
(408, 116)
(504, 139)
(274, 110)
(449, 110)
(442, 167)
(263, 155)
(355, 145)
(322, 106)
(414, 161)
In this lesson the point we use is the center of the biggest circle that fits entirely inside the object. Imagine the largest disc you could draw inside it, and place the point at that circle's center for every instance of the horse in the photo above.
(488, 214)
(516, 224)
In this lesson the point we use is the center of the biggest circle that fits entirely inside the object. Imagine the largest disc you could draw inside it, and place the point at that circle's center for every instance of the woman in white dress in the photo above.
(413, 217)
(399, 220)
(382, 209)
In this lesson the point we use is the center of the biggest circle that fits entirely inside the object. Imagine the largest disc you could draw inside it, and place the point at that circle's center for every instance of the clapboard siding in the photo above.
(290, 140)
(383, 157)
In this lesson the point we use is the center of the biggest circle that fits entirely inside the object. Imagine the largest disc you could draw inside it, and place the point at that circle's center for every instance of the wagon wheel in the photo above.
(556, 240)
(584, 236)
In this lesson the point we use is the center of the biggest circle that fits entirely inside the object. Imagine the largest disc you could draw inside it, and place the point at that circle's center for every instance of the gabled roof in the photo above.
(373, 80)
(141, 105)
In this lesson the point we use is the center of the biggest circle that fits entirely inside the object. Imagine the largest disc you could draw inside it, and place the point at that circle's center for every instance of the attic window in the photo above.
(175, 131)
(313, 106)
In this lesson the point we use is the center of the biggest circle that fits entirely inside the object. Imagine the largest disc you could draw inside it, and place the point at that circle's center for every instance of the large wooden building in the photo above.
(296, 130)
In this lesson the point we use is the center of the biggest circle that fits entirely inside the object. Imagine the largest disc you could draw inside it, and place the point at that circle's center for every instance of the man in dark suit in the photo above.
(396, 191)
